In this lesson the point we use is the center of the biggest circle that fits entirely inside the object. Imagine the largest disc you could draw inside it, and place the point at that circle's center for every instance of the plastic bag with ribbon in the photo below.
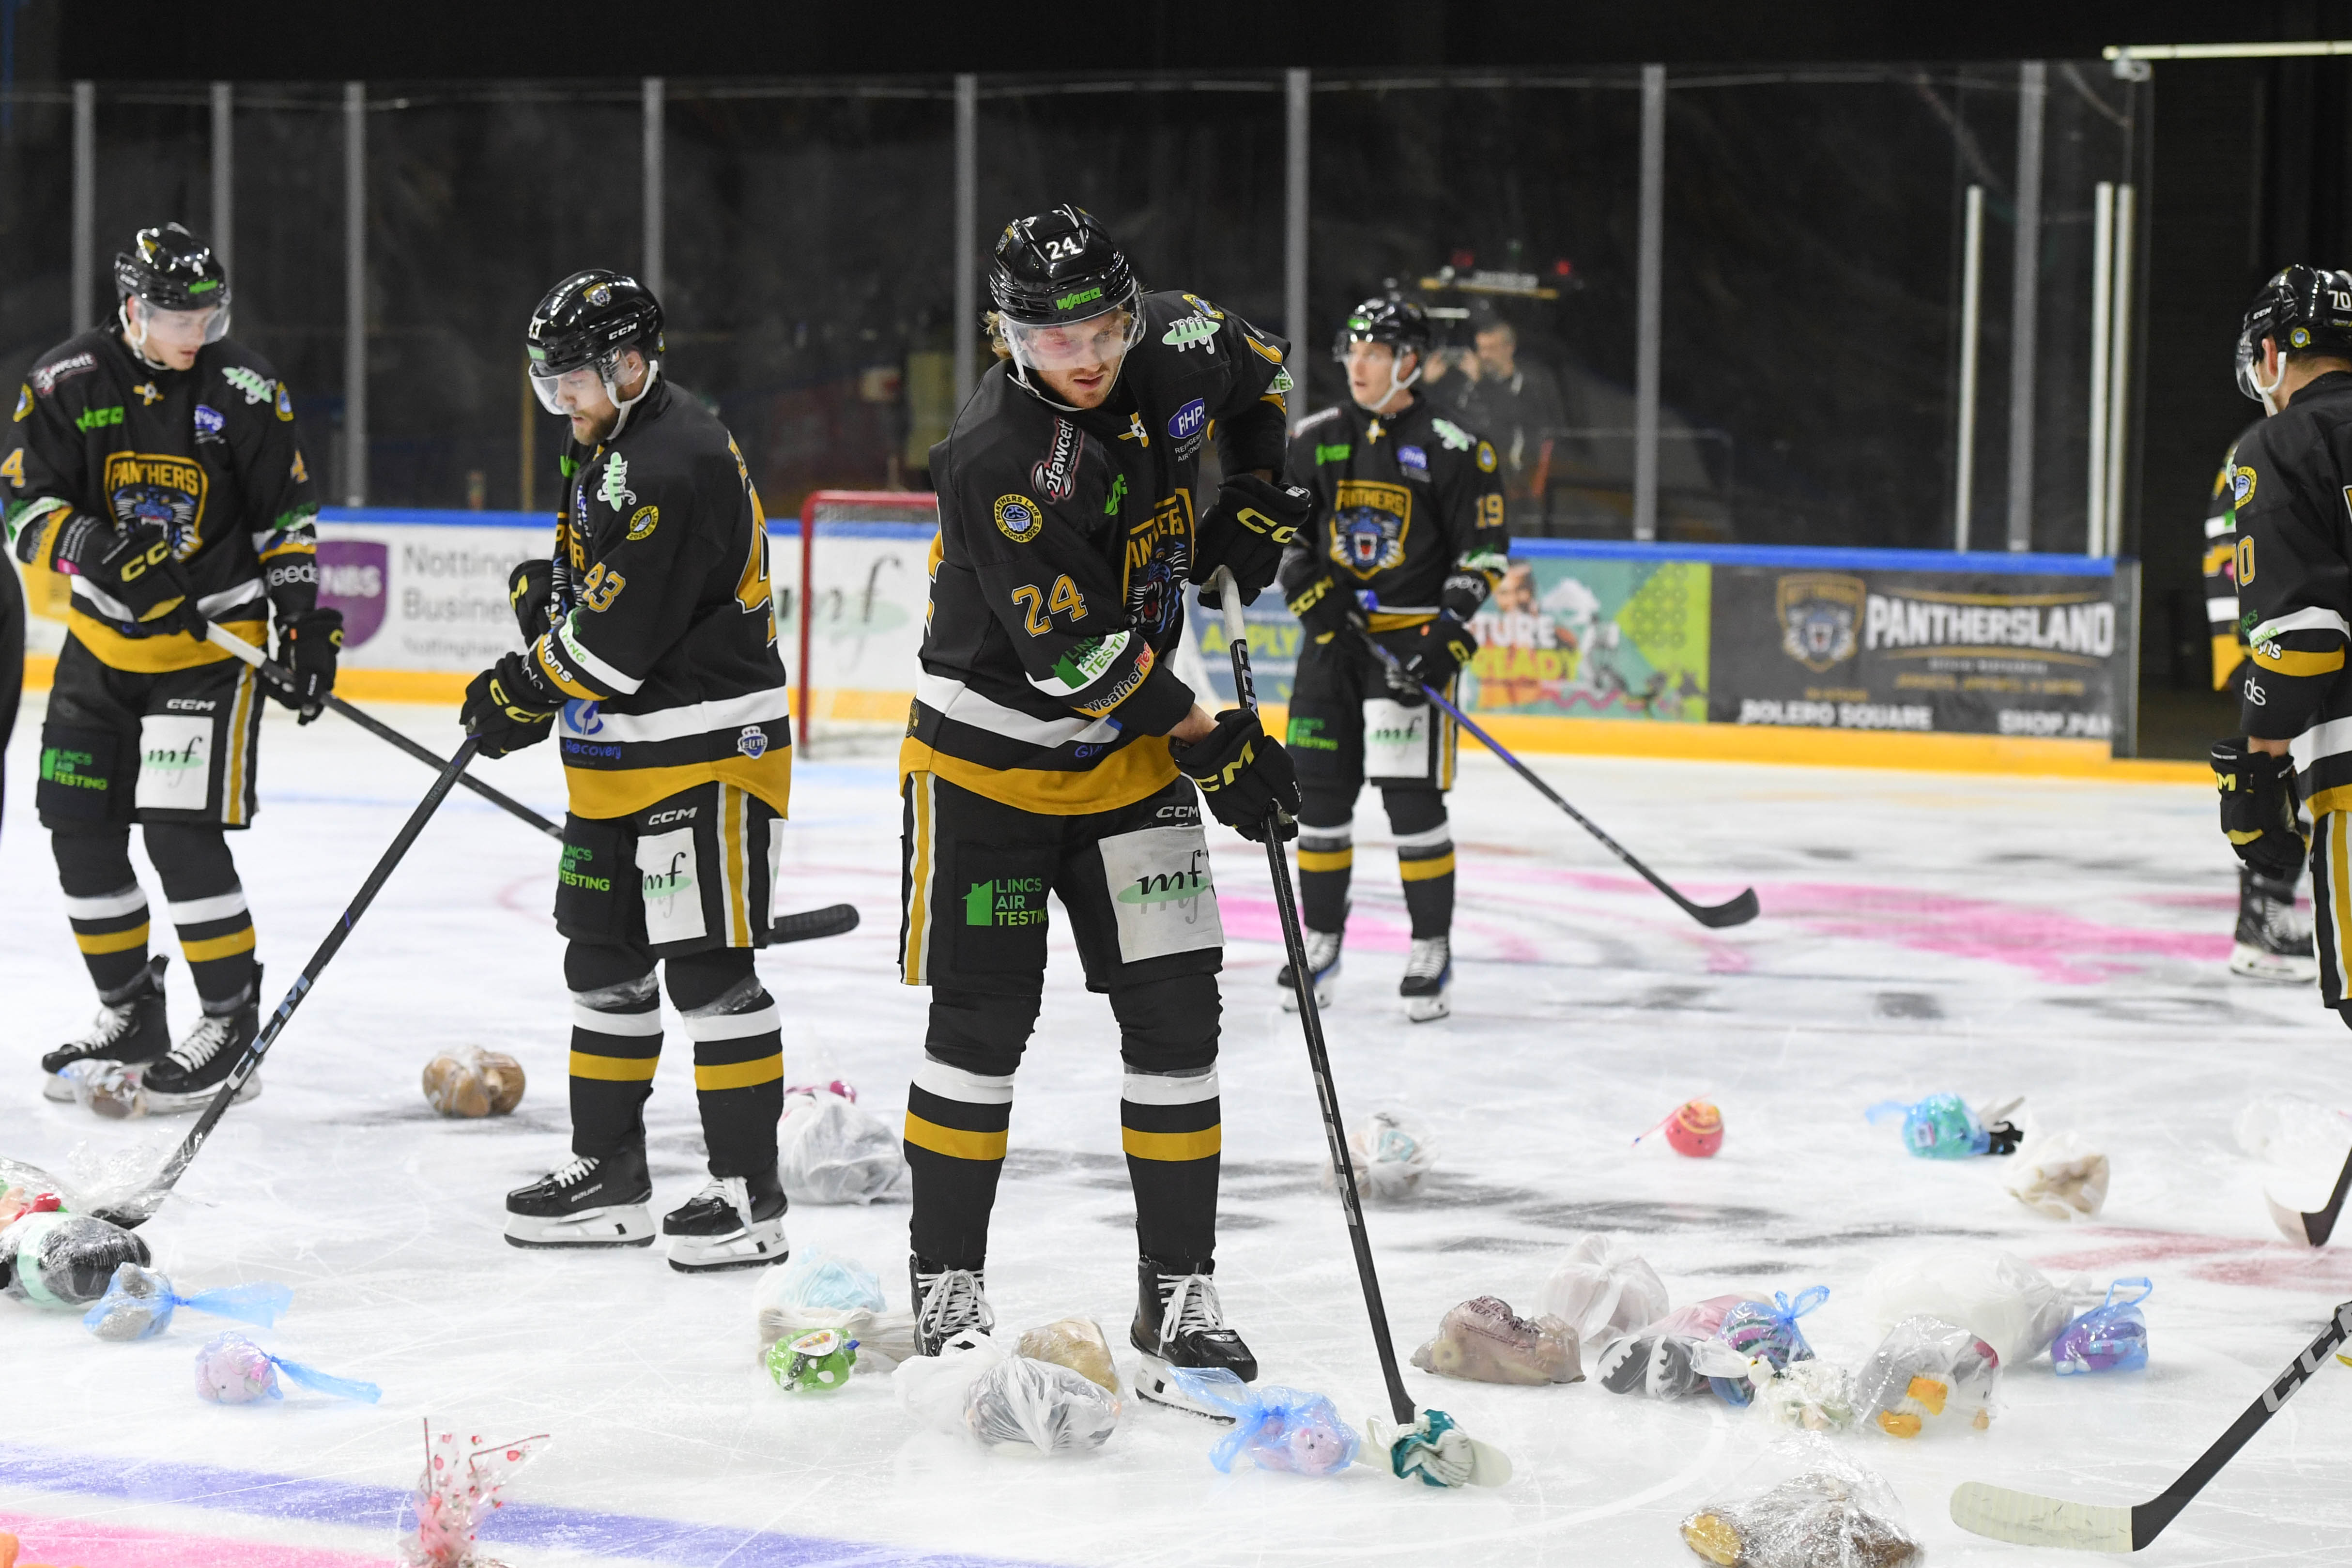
(820, 1289)
(1278, 1429)
(1675, 1356)
(137, 1305)
(232, 1370)
(1602, 1288)
(458, 1490)
(2110, 1337)
(1941, 1127)
(1766, 1331)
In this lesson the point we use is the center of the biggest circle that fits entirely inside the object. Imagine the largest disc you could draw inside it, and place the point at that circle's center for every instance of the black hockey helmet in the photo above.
(1385, 319)
(1057, 267)
(2306, 309)
(171, 269)
(590, 318)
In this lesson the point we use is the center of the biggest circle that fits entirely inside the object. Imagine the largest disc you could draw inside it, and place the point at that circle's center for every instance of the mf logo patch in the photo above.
(1018, 518)
(159, 488)
(1194, 331)
(1820, 613)
(1369, 524)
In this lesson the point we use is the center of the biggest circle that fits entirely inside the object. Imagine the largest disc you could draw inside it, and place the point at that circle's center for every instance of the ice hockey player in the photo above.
(156, 467)
(1052, 749)
(652, 656)
(2287, 485)
(2272, 941)
(1409, 539)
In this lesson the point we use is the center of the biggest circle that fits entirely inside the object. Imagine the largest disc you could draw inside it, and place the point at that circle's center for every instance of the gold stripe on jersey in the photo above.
(915, 949)
(2292, 661)
(1137, 771)
(622, 792)
(240, 756)
(153, 655)
(1400, 620)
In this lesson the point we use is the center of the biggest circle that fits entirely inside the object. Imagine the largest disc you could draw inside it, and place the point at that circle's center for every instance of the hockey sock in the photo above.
(616, 1038)
(1168, 1113)
(959, 1114)
(209, 911)
(104, 903)
(1425, 858)
(1327, 857)
(738, 1058)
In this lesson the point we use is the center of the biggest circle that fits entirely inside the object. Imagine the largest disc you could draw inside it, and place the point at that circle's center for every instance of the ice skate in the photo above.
(191, 1073)
(2273, 941)
(593, 1200)
(1428, 979)
(1322, 962)
(950, 1304)
(1179, 1321)
(130, 1028)
(734, 1222)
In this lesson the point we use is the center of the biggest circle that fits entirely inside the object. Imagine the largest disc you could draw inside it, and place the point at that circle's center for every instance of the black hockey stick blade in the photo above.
(2032, 1521)
(2313, 1229)
(1732, 911)
(809, 924)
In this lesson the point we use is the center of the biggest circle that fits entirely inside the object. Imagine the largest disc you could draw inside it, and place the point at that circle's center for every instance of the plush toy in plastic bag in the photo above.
(232, 1370)
(1995, 1295)
(829, 1150)
(1052, 1408)
(459, 1488)
(1391, 1153)
(1077, 1343)
(2058, 1174)
(1812, 1395)
(473, 1082)
(138, 1304)
(1483, 1340)
(2110, 1337)
(1602, 1288)
(820, 1290)
(110, 1088)
(16, 1201)
(1942, 1127)
(1675, 1356)
(818, 1362)
(1765, 1331)
(55, 1260)
(934, 1388)
(1830, 1514)
(1929, 1374)
(1278, 1429)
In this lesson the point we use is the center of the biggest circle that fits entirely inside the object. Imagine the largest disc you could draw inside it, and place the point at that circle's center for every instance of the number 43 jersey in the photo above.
(666, 644)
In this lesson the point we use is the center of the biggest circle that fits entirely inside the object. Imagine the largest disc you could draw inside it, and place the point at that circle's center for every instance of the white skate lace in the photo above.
(733, 1191)
(108, 1027)
(1429, 958)
(1322, 951)
(952, 1302)
(582, 1167)
(1191, 1306)
(203, 1042)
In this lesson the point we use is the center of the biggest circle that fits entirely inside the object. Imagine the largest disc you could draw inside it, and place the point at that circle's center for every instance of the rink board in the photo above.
(1881, 658)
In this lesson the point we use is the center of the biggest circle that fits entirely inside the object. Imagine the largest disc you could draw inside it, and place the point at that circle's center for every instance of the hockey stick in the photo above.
(2313, 1229)
(809, 924)
(279, 676)
(2031, 1521)
(1733, 911)
(140, 1206)
(1467, 1460)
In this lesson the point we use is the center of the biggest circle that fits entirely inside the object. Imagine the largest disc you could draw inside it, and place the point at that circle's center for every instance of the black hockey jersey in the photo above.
(2227, 636)
(1408, 508)
(667, 645)
(1065, 542)
(2289, 490)
(208, 452)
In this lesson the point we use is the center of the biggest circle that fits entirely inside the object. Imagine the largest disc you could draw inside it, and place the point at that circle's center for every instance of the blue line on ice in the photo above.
(516, 1524)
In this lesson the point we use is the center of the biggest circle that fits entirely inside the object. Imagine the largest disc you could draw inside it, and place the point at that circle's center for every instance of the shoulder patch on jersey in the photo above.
(1205, 307)
(1264, 350)
(1192, 331)
(300, 472)
(1457, 438)
(1339, 451)
(209, 423)
(1413, 460)
(1321, 417)
(24, 401)
(644, 520)
(1018, 518)
(1281, 382)
(256, 387)
(1055, 476)
(45, 377)
(285, 404)
(615, 491)
(1485, 457)
(2242, 486)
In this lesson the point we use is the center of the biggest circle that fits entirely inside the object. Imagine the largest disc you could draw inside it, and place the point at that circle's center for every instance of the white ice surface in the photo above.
(1920, 933)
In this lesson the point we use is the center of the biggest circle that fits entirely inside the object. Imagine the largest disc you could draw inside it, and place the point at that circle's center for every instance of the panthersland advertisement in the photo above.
(1989, 653)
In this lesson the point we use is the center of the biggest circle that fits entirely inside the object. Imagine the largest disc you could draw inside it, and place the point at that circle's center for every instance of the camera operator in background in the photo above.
(1514, 404)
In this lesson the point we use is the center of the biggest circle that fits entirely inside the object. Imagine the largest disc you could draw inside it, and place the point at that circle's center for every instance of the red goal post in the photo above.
(888, 514)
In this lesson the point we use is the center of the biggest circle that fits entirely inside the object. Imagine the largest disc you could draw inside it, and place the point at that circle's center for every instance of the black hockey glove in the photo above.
(1244, 775)
(537, 601)
(1432, 654)
(1326, 609)
(2258, 808)
(509, 706)
(307, 646)
(134, 567)
(1246, 529)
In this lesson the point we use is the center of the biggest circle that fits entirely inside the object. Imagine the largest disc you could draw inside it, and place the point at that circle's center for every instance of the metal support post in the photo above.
(967, 236)
(1964, 463)
(355, 368)
(2103, 241)
(223, 231)
(2119, 371)
(2025, 281)
(1294, 235)
(1648, 302)
(653, 132)
(83, 295)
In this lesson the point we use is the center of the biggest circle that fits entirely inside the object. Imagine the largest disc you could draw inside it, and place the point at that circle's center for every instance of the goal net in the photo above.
(859, 579)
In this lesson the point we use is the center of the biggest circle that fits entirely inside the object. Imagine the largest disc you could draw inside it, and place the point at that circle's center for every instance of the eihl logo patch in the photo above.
(753, 743)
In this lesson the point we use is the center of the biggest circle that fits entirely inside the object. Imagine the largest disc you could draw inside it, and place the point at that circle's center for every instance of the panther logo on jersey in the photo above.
(1159, 559)
(1369, 524)
(161, 490)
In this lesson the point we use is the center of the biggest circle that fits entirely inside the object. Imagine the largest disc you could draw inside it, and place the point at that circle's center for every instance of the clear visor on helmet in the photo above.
(2249, 368)
(566, 392)
(1098, 340)
(185, 329)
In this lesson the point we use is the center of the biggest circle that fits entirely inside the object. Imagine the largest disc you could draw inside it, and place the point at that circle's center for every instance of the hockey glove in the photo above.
(308, 644)
(1435, 653)
(1244, 776)
(2258, 808)
(1326, 610)
(134, 567)
(509, 707)
(1246, 529)
(537, 601)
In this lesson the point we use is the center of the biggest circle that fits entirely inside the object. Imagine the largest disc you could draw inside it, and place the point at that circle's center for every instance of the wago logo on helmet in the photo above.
(1070, 302)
